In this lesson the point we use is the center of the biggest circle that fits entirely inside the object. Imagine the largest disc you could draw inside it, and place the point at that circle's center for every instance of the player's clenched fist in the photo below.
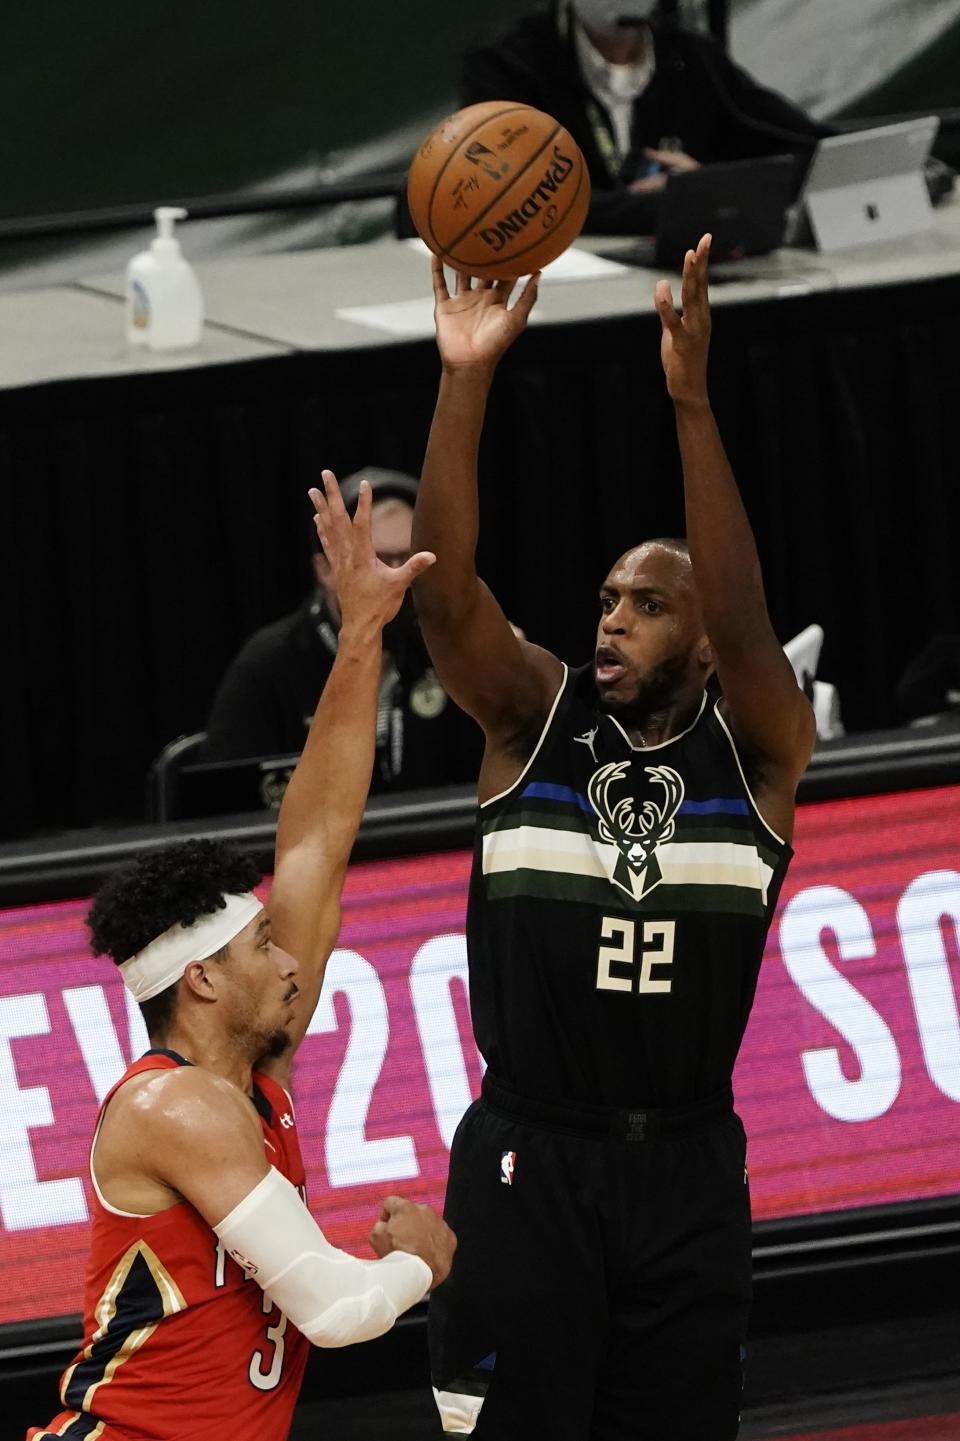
(406, 1226)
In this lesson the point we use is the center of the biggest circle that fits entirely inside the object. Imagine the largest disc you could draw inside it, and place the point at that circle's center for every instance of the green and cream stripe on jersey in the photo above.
(553, 847)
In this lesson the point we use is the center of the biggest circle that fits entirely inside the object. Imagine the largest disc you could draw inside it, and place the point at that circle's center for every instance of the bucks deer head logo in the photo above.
(636, 826)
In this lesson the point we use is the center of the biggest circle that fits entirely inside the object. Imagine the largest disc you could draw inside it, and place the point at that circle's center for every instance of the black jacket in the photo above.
(698, 99)
(266, 700)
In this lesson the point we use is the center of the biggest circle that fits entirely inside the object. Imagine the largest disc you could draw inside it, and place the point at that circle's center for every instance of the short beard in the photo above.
(656, 692)
(259, 1045)
(274, 1045)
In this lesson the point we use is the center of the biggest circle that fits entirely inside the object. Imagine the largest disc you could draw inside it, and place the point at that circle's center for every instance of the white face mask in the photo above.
(604, 16)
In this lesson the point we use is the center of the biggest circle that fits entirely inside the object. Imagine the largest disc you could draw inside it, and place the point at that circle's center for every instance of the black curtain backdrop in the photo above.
(151, 523)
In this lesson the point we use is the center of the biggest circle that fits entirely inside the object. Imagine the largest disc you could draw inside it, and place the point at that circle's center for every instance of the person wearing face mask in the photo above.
(641, 96)
(265, 701)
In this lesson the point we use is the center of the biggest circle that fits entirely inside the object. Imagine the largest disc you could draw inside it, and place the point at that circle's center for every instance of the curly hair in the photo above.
(169, 887)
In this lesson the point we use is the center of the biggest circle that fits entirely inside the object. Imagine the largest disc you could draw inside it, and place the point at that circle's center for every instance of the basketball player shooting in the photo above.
(207, 1275)
(635, 826)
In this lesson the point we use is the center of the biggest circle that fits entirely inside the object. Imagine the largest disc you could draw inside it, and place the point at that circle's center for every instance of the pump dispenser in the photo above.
(164, 303)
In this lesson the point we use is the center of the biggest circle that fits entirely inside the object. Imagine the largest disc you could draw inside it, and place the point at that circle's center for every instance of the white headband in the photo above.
(164, 961)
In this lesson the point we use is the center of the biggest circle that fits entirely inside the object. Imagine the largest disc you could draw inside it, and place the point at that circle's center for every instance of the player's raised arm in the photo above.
(768, 713)
(505, 683)
(324, 801)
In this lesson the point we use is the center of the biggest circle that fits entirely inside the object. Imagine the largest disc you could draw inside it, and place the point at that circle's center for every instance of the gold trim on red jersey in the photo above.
(125, 1302)
(64, 1428)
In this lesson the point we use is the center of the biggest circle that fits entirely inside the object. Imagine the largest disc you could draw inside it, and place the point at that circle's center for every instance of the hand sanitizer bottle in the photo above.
(164, 303)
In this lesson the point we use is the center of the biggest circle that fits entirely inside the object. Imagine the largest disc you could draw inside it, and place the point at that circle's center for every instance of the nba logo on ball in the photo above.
(508, 1163)
(498, 190)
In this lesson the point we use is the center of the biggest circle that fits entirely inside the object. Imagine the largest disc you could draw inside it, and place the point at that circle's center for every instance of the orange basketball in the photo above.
(498, 189)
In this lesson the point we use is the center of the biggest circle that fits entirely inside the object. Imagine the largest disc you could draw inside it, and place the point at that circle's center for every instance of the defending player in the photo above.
(207, 1274)
(633, 835)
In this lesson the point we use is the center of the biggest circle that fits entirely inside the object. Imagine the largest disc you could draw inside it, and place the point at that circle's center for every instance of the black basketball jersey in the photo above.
(619, 905)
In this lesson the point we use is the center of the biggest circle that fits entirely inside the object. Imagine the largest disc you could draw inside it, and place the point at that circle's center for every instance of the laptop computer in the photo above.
(867, 187)
(743, 203)
(217, 788)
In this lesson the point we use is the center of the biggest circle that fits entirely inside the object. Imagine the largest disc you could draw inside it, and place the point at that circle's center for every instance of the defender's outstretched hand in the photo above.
(686, 338)
(368, 590)
(474, 326)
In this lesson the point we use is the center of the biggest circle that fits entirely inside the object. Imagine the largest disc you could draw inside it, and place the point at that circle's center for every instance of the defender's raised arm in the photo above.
(767, 711)
(324, 801)
(505, 683)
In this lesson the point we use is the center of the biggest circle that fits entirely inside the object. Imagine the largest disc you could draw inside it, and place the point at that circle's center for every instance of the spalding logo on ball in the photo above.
(498, 190)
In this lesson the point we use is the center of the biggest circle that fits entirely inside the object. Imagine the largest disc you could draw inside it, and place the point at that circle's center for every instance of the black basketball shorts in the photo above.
(601, 1285)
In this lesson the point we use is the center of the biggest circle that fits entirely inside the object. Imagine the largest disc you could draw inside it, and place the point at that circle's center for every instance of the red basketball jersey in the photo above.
(179, 1344)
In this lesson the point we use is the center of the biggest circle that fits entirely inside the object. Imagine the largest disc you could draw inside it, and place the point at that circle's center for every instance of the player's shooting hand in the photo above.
(685, 342)
(369, 592)
(405, 1226)
(474, 326)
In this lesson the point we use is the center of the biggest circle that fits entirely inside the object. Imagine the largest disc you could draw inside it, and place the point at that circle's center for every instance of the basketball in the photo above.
(498, 190)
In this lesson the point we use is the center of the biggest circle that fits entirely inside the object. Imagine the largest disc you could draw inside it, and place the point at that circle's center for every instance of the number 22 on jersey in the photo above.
(641, 958)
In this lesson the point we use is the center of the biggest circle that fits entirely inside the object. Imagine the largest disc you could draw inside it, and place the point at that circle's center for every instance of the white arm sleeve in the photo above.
(333, 1298)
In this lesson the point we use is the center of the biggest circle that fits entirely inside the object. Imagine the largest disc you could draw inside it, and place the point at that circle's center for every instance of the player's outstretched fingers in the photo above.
(321, 512)
(695, 261)
(335, 505)
(667, 311)
(416, 565)
(696, 305)
(440, 291)
(703, 271)
(528, 297)
(464, 283)
(363, 517)
(690, 288)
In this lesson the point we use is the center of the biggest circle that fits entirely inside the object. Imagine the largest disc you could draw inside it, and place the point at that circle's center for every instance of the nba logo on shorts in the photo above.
(508, 1163)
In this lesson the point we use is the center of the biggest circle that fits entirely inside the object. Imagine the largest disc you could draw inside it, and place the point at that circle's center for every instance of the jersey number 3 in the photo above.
(266, 1365)
(620, 968)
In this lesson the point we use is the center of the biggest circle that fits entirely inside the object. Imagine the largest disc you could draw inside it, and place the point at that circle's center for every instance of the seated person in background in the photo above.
(640, 95)
(266, 700)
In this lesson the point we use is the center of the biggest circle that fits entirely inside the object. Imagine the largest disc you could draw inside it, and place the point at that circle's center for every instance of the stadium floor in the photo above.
(916, 1412)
